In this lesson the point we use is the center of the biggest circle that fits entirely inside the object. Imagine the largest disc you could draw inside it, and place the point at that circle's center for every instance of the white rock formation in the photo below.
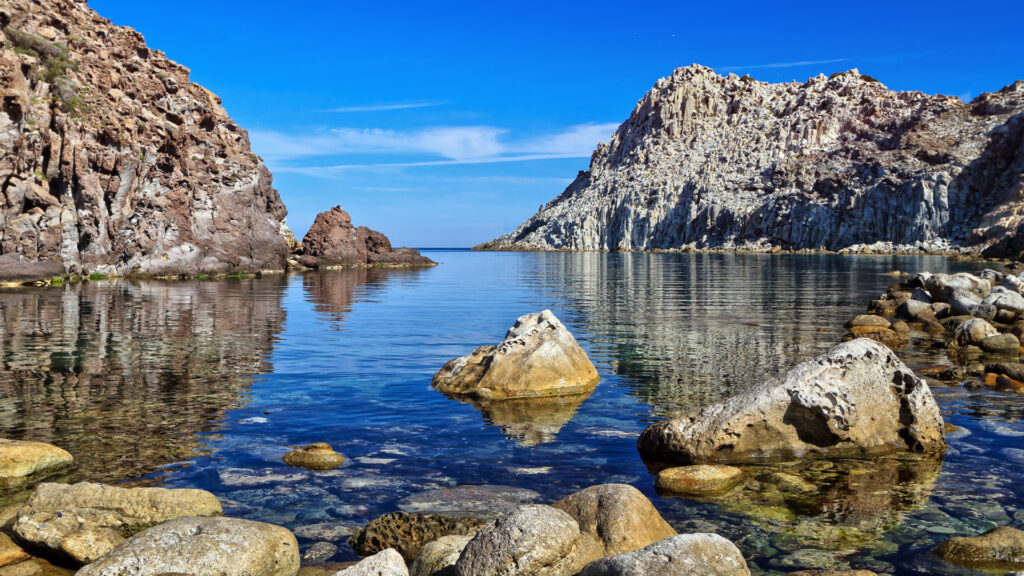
(840, 163)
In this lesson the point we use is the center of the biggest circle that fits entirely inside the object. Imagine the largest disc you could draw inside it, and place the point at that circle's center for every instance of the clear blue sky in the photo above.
(448, 123)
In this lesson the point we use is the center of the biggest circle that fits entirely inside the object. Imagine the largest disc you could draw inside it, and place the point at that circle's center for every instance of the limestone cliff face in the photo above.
(112, 161)
(840, 163)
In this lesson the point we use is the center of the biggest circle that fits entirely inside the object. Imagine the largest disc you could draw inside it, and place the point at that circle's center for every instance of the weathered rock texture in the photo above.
(385, 563)
(618, 516)
(858, 398)
(82, 522)
(712, 162)
(407, 532)
(222, 546)
(332, 241)
(705, 554)
(1002, 547)
(21, 459)
(112, 161)
(538, 357)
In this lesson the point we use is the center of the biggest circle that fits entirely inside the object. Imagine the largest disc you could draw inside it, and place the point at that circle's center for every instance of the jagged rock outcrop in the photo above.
(840, 163)
(332, 241)
(112, 161)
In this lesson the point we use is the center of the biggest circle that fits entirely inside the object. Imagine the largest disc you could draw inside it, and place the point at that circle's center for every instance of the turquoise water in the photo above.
(208, 383)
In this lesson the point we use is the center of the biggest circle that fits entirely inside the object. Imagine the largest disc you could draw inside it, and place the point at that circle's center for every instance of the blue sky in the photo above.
(448, 123)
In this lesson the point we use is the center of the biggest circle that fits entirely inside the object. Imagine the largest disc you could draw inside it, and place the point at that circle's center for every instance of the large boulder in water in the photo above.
(84, 521)
(538, 357)
(858, 398)
(1000, 548)
(704, 554)
(408, 532)
(332, 241)
(222, 546)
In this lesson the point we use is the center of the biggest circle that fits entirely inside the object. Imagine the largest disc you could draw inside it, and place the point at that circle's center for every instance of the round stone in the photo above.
(319, 456)
(702, 479)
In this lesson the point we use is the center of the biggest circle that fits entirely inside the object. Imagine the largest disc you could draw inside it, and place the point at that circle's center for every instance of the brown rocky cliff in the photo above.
(112, 161)
(333, 241)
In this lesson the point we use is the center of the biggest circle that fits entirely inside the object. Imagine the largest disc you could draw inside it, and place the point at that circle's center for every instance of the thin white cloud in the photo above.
(384, 107)
(333, 171)
(448, 145)
(784, 64)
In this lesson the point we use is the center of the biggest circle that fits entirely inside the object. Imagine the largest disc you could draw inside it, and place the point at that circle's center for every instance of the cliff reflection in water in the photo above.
(687, 330)
(126, 375)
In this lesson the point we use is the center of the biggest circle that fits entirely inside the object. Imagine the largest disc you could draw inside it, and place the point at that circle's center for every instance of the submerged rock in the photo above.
(438, 558)
(538, 357)
(704, 554)
(83, 521)
(407, 532)
(22, 462)
(857, 399)
(222, 546)
(973, 332)
(384, 563)
(1000, 548)
(618, 516)
(699, 480)
(486, 502)
(532, 540)
(332, 241)
(318, 456)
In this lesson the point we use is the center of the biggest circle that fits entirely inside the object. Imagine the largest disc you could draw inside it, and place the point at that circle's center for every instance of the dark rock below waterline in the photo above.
(333, 241)
(999, 548)
(408, 532)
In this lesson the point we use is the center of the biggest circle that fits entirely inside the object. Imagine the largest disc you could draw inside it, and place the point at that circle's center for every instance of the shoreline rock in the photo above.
(408, 532)
(705, 554)
(317, 457)
(24, 462)
(538, 357)
(855, 400)
(84, 521)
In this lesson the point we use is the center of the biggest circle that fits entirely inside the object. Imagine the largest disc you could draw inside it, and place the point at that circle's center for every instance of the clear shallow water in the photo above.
(207, 384)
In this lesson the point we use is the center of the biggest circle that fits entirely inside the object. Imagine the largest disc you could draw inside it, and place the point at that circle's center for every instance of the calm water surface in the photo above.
(208, 383)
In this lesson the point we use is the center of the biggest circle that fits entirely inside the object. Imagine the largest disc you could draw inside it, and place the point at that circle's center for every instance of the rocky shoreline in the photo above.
(856, 403)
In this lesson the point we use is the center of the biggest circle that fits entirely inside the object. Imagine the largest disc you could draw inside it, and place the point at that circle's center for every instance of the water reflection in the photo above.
(125, 375)
(530, 421)
(333, 292)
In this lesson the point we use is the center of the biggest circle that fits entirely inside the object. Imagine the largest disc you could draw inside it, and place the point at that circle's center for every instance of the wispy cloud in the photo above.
(442, 146)
(793, 64)
(384, 107)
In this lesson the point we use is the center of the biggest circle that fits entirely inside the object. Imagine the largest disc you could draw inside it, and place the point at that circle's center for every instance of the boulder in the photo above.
(999, 548)
(532, 540)
(698, 480)
(319, 456)
(538, 357)
(921, 295)
(438, 558)
(1014, 370)
(407, 532)
(22, 461)
(704, 554)
(917, 310)
(941, 287)
(1009, 301)
(194, 545)
(890, 338)
(81, 522)
(868, 320)
(10, 552)
(973, 332)
(858, 398)
(1013, 283)
(618, 516)
(36, 567)
(1000, 344)
(963, 304)
(384, 563)
(332, 241)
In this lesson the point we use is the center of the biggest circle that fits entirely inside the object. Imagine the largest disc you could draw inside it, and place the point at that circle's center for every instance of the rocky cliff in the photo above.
(840, 163)
(112, 161)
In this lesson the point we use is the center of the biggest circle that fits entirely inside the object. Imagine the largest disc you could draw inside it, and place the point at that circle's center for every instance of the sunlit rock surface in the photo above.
(835, 163)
